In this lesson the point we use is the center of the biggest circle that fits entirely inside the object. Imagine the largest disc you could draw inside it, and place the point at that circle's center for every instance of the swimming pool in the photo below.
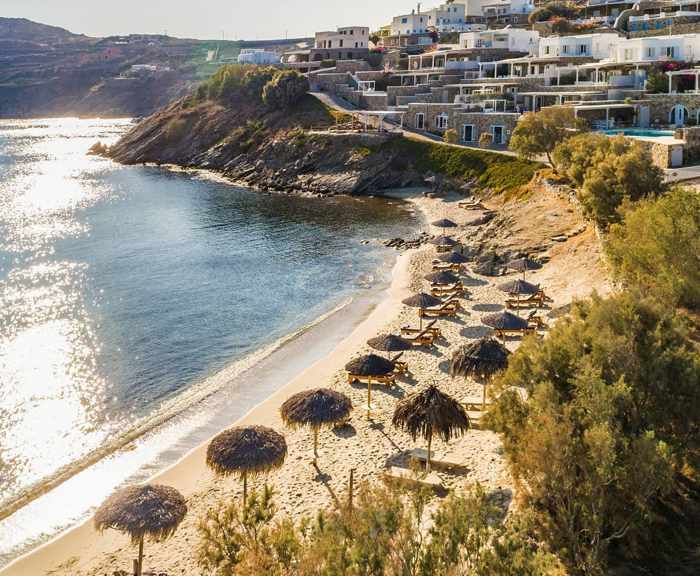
(641, 132)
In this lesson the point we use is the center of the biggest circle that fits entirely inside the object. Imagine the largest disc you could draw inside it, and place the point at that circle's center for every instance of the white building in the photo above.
(258, 56)
(506, 8)
(347, 37)
(444, 18)
(598, 46)
(513, 39)
(680, 47)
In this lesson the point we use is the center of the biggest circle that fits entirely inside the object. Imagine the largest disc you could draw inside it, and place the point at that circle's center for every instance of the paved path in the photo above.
(682, 174)
(343, 105)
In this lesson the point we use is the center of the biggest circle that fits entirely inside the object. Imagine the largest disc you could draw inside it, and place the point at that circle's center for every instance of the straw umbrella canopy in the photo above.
(422, 301)
(523, 265)
(442, 278)
(481, 359)
(147, 510)
(445, 223)
(504, 321)
(430, 412)
(389, 343)
(316, 409)
(453, 258)
(519, 287)
(443, 240)
(369, 366)
(246, 451)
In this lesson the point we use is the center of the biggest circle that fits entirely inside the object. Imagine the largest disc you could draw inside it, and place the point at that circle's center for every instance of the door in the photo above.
(468, 133)
(420, 121)
(643, 120)
(497, 132)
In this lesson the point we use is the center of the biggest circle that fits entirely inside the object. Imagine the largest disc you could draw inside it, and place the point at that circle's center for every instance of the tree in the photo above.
(285, 89)
(613, 413)
(539, 132)
(656, 248)
(619, 177)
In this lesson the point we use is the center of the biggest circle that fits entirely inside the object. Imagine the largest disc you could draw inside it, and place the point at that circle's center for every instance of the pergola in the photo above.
(690, 72)
(603, 106)
(560, 96)
(366, 85)
(381, 114)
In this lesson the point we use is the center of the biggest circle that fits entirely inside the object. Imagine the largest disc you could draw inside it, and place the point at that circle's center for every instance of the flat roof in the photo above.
(602, 106)
(564, 93)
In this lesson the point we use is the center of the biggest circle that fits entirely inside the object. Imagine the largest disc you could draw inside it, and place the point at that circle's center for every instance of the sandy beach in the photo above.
(369, 446)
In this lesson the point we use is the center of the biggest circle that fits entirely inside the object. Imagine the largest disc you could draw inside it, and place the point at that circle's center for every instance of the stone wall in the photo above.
(394, 92)
(430, 111)
(660, 152)
(691, 136)
(681, 25)
(328, 81)
(484, 122)
(660, 106)
(351, 66)
(373, 101)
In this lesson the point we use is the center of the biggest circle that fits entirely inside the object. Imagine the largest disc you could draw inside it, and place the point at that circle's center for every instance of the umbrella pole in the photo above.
(430, 441)
(139, 566)
(483, 398)
(245, 487)
(369, 396)
(420, 319)
(315, 444)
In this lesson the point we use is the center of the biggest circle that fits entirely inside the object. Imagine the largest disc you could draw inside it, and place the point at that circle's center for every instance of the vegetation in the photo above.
(274, 87)
(451, 136)
(285, 89)
(539, 133)
(381, 535)
(563, 10)
(608, 172)
(494, 171)
(613, 415)
(656, 248)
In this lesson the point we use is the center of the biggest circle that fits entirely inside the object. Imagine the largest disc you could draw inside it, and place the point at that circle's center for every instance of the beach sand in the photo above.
(367, 446)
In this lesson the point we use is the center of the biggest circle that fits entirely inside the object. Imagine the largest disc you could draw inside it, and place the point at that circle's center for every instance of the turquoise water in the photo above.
(644, 133)
(131, 301)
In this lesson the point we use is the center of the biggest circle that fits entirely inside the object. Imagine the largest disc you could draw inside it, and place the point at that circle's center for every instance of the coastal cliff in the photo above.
(230, 126)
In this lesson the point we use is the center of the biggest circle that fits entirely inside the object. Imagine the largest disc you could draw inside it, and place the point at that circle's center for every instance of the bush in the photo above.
(285, 89)
(539, 132)
(451, 136)
(656, 248)
(613, 413)
(608, 172)
(485, 139)
(175, 130)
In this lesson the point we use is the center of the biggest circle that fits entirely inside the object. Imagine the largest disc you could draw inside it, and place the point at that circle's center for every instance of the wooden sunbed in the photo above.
(438, 462)
(536, 321)
(501, 333)
(446, 309)
(399, 366)
(429, 327)
(424, 338)
(409, 477)
(439, 266)
(471, 205)
(475, 418)
(474, 403)
(388, 379)
(444, 248)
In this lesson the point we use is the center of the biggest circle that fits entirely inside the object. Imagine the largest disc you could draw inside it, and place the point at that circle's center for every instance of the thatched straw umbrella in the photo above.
(518, 288)
(480, 359)
(444, 241)
(369, 366)
(504, 321)
(431, 412)
(453, 258)
(445, 223)
(315, 409)
(246, 451)
(422, 301)
(523, 265)
(147, 510)
(443, 278)
(390, 343)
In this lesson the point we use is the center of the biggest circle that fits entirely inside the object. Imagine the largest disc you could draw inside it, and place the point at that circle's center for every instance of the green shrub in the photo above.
(285, 90)
(451, 136)
(613, 412)
(494, 171)
(175, 130)
(656, 248)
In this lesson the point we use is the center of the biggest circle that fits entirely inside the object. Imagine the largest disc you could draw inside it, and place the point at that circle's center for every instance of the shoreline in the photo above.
(65, 543)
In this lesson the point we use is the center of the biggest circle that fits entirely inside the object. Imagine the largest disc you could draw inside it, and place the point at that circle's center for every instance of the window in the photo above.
(582, 49)
(341, 43)
(546, 49)
(420, 121)
(404, 20)
(468, 133)
(651, 52)
(441, 121)
(670, 51)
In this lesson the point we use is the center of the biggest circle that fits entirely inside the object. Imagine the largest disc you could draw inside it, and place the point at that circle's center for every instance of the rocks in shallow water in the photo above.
(401, 244)
(98, 149)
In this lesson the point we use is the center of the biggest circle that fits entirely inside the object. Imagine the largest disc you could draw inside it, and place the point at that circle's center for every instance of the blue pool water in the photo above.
(641, 132)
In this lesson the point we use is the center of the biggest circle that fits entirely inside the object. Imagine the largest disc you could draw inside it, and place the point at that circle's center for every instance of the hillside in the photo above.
(48, 71)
